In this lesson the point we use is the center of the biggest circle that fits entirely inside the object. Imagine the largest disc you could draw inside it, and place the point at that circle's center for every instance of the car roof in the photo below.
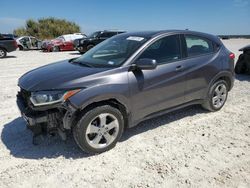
(245, 48)
(26, 36)
(153, 34)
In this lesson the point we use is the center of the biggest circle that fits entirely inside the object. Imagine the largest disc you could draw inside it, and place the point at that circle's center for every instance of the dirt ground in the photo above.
(186, 148)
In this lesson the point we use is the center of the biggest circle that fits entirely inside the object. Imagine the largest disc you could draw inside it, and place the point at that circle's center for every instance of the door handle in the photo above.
(179, 68)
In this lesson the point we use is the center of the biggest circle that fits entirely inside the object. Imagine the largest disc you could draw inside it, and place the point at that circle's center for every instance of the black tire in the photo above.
(3, 53)
(208, 103)
(81, 52)
(90, 46)
(56, 49)
(20, 47)
(240, 67)
(79, 130)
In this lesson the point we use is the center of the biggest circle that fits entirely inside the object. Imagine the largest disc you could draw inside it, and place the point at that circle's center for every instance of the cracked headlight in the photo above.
(41, 98)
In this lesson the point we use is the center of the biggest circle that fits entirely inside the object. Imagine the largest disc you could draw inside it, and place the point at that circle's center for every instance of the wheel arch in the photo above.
(2, 47)
(114, 102)
(19, 45)
(224, 75)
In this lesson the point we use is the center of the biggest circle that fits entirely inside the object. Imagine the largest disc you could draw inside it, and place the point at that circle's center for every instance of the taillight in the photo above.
(231, 56)
(15, 44)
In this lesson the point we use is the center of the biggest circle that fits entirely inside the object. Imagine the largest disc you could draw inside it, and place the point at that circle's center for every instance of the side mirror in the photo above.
(146, 64)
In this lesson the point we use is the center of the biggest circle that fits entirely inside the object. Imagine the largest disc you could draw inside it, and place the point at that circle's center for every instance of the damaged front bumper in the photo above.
(50, 119)
(30, 118)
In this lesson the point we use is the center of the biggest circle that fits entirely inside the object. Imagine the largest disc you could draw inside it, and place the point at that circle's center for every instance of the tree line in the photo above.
(47, 28)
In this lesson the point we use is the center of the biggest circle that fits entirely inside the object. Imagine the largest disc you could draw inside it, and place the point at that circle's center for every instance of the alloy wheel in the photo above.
(2, 53)
(220, 95)
(102, 130)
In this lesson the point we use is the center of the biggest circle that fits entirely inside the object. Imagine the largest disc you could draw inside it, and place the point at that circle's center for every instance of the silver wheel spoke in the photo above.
(108, 137)
(112, 125)
(215, 99)
(222, 89)
(97, 139)
(217, 91)
(223, 97)
(103, 118)
(92, 129)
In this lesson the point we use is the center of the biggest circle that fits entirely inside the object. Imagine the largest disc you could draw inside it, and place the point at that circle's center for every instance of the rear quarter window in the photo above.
(198, 46)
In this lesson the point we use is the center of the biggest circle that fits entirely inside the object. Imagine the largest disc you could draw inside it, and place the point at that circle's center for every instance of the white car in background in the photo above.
(28, 43)
(72, 37)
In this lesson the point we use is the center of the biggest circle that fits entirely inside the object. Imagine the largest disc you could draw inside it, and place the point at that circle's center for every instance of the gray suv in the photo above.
(123, 81)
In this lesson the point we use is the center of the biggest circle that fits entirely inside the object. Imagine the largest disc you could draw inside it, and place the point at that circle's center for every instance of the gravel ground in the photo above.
(186, 148)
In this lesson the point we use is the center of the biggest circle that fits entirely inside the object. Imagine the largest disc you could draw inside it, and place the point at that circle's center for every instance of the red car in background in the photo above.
(61, 43)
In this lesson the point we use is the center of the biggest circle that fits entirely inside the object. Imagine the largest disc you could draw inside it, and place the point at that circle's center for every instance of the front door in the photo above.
(160, 88)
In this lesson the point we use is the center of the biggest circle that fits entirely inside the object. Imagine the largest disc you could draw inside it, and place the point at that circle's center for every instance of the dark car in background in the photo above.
(7, 45)
(9, 35)
(83, 45)
(123, 81)
(243, 63)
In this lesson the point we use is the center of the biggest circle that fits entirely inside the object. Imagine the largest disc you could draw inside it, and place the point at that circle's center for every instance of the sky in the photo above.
(211, 16)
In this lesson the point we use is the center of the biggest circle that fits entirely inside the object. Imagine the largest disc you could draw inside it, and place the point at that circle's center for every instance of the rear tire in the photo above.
(99, 129)
(240, 67)
(20, 47)
(217, 96)
(3, 53)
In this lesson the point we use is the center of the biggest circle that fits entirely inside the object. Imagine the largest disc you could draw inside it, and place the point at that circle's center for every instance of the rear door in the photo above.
(202, 62)
(163, 87)
(67, 43)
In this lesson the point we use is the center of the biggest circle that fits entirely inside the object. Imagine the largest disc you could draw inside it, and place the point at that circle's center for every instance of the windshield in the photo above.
(60, 38)
(93, 35)
(113, 52)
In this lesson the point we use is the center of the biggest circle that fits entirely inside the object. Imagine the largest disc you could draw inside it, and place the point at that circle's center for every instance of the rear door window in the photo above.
(104, 35)
(198, 46)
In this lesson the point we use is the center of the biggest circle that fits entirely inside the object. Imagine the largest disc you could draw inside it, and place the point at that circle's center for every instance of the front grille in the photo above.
(25, 95)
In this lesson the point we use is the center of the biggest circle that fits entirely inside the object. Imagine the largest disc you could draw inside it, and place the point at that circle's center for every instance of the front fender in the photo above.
(119, 92)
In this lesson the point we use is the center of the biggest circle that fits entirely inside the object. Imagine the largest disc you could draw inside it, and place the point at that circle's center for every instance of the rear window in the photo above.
(198, 46)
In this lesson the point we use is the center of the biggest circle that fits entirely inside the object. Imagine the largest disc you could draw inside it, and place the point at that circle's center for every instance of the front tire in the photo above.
(90, 46)
(217, 96)
(3, 53)
(55, 49)
(99, 129)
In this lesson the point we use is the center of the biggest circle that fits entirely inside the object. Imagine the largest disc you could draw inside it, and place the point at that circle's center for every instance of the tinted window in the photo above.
(24, 39)
(107, 34)
(112, 52)
(198, 46)
(111, 34)
(164, 50)
(94, 35)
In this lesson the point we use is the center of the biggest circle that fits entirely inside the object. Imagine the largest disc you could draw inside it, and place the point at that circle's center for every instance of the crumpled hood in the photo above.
(60, 75)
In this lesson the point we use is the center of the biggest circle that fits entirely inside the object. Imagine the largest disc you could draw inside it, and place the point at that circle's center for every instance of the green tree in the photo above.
(20, 31)
(47, 28)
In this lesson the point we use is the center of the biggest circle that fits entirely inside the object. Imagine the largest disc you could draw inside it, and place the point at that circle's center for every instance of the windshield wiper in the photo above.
(82, 63)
